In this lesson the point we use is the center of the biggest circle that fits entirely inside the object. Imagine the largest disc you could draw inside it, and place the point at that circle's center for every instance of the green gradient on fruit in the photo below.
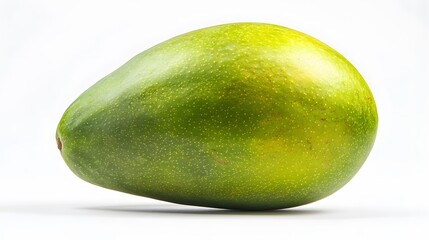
(241, 116)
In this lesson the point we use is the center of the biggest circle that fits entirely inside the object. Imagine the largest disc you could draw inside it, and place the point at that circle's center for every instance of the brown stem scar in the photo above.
(59, 144)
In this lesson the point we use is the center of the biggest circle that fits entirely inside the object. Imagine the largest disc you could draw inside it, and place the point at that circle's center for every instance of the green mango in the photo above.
(245, 116)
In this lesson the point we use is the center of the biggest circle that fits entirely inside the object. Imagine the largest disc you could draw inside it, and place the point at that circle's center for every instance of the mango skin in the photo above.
(247, 116)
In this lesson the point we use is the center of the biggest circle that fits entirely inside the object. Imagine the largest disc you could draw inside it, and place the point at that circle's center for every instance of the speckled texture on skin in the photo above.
(241, 116)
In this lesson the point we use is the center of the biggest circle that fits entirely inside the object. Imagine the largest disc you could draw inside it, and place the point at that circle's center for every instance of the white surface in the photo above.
(51, 51)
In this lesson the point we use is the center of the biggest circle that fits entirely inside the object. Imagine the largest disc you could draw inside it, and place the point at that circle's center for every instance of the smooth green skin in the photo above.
(240, 116)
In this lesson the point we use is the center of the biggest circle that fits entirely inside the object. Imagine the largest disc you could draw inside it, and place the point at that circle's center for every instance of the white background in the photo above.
(51, 51)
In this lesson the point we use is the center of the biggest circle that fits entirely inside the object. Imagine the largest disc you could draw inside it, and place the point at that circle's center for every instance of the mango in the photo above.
(248, 116)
